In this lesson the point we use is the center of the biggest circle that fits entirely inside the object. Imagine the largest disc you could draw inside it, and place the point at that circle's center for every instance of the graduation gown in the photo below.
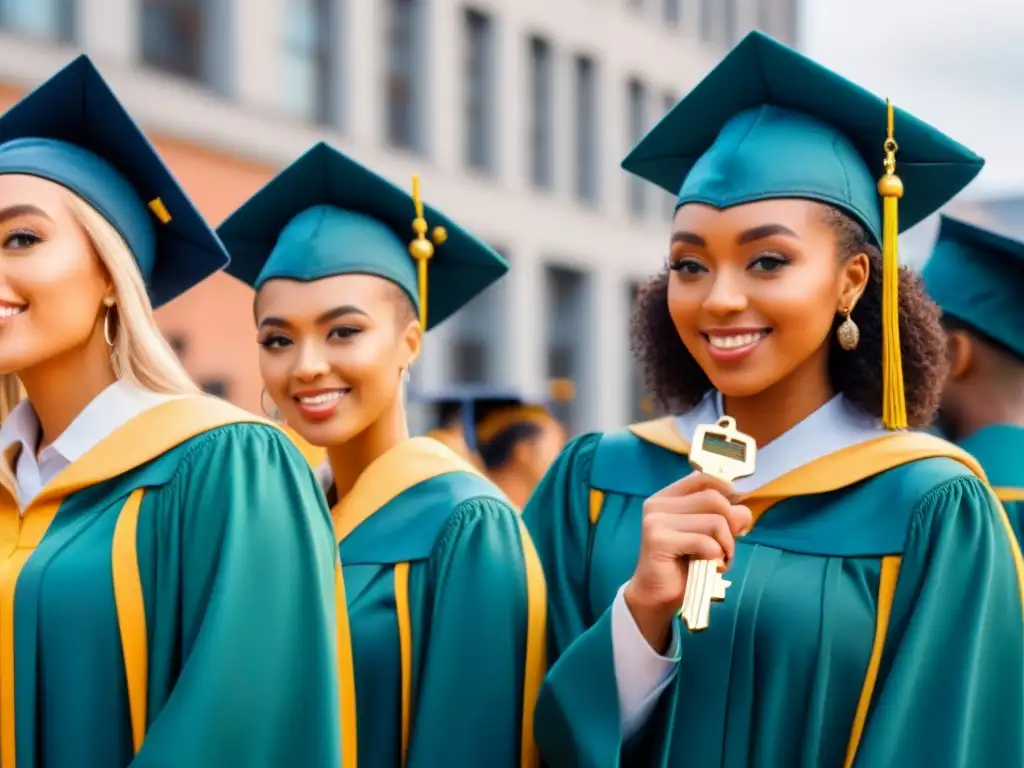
(1000, 451)
(874, 617)
(446, 608)
(169, 599)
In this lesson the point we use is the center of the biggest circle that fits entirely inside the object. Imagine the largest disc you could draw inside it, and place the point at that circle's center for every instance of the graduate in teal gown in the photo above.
(169, 579)
(514, 437)
(977, 278)
(445, 593)
(874, 616)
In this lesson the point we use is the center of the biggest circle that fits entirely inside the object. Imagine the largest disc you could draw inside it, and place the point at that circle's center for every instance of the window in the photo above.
(730, 32)
(480, 97)
(709, 21)
(187, 38)
(586, 127)
(637, 98)
(566, 309)
(672, 12)
(404, 91)
(541, 113)
(477, 337)
(638, 409)
(44, 19)
(306, 64)
(668, 101)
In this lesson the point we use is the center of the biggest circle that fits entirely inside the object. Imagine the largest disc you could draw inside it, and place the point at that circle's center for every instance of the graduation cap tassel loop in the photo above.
(422, 249)
(890, 187)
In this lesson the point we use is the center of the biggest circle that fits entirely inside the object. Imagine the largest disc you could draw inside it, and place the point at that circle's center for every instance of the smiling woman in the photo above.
(858, 553)
(125, 493)
(445, 594)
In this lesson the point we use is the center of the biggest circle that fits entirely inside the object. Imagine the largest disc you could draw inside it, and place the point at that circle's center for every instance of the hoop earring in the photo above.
(108, 335)
(848, 333)
(271, 413)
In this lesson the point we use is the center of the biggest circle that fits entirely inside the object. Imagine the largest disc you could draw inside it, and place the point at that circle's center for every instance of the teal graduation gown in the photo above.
(446, 611)
(169, 599)
(874, 617)
(1000, 451)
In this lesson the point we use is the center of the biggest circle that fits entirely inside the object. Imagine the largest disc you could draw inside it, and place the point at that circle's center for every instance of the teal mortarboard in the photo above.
(327, 215)
(977, 276)
(73, 131)
(769, 123)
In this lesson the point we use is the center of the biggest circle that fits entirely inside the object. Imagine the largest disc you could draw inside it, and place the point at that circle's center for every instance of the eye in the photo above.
(275, 341)
(769, 262)
(687, 266)
(344, 332)
(21, 240)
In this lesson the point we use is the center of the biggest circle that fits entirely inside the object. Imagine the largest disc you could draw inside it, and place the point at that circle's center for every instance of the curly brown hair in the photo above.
(677, 383)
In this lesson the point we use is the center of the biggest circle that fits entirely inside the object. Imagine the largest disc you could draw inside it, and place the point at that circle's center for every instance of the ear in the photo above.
(411, 342)
(852, 280)
(522, 452)
(961, 354)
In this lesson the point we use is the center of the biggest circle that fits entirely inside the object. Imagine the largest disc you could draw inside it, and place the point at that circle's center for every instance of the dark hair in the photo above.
(953, 323)
(677, 383)
(497, 451)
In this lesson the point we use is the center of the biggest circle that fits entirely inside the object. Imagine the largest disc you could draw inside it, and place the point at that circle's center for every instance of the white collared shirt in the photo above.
(641, 674)
(112, 408)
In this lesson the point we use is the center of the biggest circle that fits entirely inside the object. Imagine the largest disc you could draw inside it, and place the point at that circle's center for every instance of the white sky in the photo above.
(958, 65)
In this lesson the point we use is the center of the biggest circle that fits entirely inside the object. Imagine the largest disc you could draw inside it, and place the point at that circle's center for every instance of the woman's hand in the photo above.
(694, 517)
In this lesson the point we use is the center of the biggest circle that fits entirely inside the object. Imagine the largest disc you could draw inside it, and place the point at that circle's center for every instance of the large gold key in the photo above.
(722, 451)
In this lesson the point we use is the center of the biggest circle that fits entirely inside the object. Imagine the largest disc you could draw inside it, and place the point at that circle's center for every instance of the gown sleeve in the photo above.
(241, 555)
(480, 665)
(950, 685)
(579, 720)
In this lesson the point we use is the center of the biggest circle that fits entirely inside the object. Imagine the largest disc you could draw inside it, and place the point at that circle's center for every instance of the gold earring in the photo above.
(848, 333)
(270, 411)
(108, 334)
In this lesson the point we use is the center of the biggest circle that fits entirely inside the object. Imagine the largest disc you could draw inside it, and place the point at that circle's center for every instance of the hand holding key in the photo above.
(695, 518)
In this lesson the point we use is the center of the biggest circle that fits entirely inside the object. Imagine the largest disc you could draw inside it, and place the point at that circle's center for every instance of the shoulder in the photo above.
(639, 460)
(245, 444)
(481, 518)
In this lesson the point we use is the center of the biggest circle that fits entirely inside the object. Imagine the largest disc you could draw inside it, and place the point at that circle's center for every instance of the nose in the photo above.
(726, 296)
(311, 363)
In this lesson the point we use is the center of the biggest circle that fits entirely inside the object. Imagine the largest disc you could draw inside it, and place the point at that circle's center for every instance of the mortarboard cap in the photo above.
(73, 131)
(977, 276)
(327, 215)
(486, 412)
(769, 123)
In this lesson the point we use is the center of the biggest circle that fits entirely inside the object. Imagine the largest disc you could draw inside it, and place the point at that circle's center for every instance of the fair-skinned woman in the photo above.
(874, 612)
(167, 595)
(445, 595)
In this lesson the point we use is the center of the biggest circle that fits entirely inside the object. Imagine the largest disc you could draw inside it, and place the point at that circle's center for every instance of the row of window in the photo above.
(186, 38)
(719, 21)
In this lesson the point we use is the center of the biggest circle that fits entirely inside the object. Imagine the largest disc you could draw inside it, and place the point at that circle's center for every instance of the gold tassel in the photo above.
(422, 249)
(894, 404)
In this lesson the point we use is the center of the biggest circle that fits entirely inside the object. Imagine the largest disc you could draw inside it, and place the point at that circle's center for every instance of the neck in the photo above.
(350, 459)
(776, 410)
(60, 389)
(987, 412)
(514, 485)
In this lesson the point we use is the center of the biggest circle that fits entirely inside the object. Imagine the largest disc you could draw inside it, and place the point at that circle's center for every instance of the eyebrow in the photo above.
(326, 317)
(765, 230)
(745, 237)
(14, 211)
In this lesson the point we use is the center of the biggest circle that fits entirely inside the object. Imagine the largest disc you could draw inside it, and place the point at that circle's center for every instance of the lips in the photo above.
(320, 404)
(735, 341)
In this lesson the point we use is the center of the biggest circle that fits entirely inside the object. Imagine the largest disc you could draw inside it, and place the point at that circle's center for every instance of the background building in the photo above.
(515, 112)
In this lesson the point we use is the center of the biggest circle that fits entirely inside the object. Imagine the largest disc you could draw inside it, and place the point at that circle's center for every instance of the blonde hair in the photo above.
(140, 354)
